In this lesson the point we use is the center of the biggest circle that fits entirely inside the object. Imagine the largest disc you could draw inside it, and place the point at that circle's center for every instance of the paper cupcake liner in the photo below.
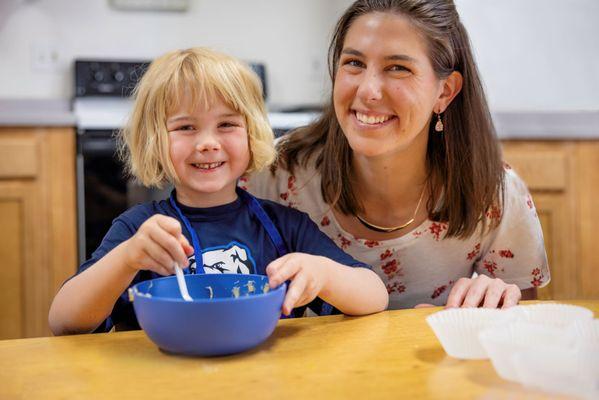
(570, 371)
(457, 329)
(585, 331)
(501, 343)
(551, 314)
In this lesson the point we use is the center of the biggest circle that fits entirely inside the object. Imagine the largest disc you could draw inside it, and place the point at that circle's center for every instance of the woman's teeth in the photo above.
(365, 119)
(208, 165)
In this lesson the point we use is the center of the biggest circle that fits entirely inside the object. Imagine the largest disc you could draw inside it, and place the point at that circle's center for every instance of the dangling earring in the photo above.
(439, 124)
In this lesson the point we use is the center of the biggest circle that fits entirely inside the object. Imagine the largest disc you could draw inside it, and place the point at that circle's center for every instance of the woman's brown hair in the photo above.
(464, 163)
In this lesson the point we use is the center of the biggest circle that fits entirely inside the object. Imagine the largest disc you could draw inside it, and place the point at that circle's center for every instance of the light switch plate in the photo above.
(44, 56)
(150, 5)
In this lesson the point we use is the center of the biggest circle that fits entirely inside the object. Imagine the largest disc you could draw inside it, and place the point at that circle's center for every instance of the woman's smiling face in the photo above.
(385, 89)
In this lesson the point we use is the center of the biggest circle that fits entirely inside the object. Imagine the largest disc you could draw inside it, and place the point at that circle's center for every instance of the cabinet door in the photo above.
(21, 261)
(546, 169)
(558, 232)
(587, 177)
(37, 225)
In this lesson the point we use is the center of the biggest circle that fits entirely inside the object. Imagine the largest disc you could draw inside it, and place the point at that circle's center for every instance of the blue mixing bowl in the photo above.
(216, 322)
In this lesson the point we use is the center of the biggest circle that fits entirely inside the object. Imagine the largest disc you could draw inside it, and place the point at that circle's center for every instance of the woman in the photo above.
(404, 171)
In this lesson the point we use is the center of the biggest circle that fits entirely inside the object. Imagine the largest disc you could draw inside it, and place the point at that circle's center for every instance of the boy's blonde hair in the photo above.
(205, 74)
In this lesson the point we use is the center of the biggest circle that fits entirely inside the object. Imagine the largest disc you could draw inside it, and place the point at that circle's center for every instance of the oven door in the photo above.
(103, 189)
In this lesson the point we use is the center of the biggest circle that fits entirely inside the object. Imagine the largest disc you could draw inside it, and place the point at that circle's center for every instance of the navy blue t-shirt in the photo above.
(232, 239)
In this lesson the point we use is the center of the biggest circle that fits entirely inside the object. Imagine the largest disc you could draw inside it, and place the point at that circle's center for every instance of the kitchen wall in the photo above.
(533, 54)
(290, 36)
(536, 54)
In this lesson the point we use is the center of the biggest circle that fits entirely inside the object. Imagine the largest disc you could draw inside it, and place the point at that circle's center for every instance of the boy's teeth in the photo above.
(365, 119)
(208, 165)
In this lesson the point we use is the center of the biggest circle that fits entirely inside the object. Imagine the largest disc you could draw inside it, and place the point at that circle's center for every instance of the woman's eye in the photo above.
(354, 63)
(398, 68)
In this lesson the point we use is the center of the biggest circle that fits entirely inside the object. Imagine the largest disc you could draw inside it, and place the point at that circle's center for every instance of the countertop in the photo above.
(525, 125)
(558, 125)
(36, 113)
(392, 354)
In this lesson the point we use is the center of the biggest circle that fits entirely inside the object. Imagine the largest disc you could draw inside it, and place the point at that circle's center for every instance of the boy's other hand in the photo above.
(307, 273)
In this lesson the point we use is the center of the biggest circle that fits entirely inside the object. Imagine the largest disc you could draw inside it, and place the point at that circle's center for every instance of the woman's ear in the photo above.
(451, 87)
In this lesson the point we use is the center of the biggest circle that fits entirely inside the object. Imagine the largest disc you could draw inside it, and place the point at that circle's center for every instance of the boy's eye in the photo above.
(182, 128)
(228, 124)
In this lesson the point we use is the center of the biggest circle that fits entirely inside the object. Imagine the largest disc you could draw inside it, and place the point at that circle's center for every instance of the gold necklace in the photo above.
(390, 229)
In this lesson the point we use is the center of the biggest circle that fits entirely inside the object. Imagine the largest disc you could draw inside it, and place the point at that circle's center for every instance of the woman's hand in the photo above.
(308, 275)
(157, 245)
(482, 291)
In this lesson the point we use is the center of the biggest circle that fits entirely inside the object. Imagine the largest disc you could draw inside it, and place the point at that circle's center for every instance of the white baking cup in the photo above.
(571, 371)
(586, 331)
(457, 329)
(501, 343)
(553, 314)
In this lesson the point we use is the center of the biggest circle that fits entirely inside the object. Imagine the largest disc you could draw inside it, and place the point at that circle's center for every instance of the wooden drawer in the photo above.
(18, 157)
(541, 169)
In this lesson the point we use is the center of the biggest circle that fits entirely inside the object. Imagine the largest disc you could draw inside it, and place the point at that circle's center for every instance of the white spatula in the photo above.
(182, 284)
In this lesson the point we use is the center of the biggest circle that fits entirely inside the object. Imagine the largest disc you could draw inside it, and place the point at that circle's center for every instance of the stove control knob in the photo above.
(119, 76)
(99, 76)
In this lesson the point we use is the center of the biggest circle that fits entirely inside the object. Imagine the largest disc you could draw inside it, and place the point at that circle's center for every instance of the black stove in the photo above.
(101, 106)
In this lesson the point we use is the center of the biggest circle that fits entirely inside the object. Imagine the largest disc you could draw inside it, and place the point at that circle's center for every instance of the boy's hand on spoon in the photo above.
(157, 245)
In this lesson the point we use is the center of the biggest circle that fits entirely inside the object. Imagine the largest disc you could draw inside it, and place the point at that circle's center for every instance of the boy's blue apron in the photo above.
(258, 211)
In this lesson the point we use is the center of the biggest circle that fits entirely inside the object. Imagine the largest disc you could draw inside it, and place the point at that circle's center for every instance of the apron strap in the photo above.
(197, 248)
(267, 223)
(271, 229)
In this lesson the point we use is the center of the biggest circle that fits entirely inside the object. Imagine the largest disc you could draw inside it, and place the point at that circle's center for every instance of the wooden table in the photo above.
(393, 354)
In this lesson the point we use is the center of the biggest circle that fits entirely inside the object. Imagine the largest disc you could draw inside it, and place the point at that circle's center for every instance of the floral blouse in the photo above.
(421, 266)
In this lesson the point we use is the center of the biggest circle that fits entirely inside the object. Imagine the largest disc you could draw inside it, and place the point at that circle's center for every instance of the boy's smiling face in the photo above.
(209, 149)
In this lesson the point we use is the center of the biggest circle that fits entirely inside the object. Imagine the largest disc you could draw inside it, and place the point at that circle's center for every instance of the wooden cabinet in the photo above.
(37, 225)
(563, 177)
